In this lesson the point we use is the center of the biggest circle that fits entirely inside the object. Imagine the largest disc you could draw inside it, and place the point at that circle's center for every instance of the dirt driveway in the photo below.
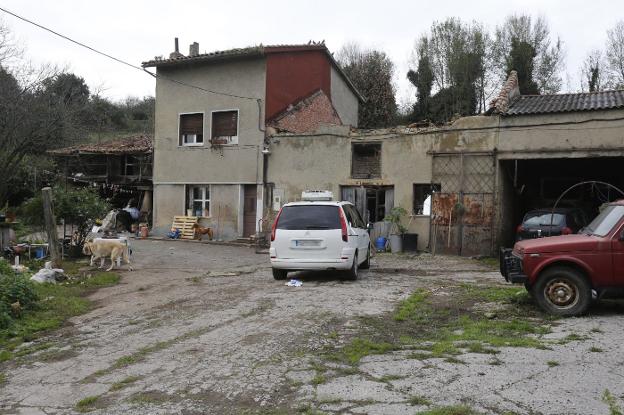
(204, 329)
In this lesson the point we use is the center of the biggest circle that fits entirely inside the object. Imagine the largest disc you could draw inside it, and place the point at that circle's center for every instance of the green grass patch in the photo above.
(318, 379)
(53, 305)
(419, 400)
(124, 383)
(150, 397)
(87, 404)
(552, 363)
(2, 378)
(595, 349)
(614, 408)
(413, 307)
(450, 410)
(489, 261)
(358, 348)
(498, 294)
(102, 279)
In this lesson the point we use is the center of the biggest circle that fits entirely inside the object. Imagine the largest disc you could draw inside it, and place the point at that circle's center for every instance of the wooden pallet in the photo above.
(185, 225)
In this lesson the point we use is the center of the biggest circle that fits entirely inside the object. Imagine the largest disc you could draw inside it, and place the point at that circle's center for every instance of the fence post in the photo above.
(50, 226)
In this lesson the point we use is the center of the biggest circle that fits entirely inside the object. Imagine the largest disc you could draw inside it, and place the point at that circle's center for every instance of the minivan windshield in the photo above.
(309, 217)
(605, 221)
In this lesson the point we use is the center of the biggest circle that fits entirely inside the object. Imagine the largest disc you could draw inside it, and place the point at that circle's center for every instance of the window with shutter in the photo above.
(192, 129)
(224, 127)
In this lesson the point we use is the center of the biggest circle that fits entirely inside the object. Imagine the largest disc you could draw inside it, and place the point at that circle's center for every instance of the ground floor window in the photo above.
(422, 197)
(198, 200)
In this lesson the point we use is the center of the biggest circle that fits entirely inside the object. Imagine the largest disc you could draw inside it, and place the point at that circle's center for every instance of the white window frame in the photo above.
(181, 143)
(237, 125)
(203, 200)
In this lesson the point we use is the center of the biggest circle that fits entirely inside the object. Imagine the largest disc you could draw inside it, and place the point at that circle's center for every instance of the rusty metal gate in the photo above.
(462, 213)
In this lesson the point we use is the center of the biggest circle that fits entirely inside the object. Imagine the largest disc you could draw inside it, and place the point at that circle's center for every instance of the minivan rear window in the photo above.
(309, 217)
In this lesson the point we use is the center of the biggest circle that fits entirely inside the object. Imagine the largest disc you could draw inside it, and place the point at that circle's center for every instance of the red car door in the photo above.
(617, 256)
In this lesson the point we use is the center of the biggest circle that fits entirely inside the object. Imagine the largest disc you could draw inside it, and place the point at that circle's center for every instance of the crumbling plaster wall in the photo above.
(344, 100)
(571, 134)
(323, 162)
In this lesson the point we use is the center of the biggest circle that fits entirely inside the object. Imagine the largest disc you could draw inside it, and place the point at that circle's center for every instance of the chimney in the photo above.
(176, 53)
(194, 49)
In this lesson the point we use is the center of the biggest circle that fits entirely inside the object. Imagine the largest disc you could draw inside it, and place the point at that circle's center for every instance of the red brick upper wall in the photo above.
(293, 75)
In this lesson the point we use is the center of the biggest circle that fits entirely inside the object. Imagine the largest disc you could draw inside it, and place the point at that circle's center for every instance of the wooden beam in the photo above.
(51, 229)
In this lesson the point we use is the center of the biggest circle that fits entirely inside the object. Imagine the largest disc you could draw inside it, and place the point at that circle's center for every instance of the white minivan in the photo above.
(319, 235)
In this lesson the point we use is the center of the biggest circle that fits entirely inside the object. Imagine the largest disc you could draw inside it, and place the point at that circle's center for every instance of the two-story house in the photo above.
(212, 112)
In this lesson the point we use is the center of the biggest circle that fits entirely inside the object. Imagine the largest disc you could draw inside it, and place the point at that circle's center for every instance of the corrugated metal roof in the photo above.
(135, 144)
(546, 104)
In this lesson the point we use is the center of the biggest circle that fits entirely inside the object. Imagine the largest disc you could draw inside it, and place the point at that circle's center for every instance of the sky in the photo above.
(138, 30)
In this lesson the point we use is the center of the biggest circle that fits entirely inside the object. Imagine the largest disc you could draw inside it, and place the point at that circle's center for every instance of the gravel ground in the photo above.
(204, 329)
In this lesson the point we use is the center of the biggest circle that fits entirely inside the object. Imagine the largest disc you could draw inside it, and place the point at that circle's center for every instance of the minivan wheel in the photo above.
(352, 274)
(366, 264)
(562, 291)
(279, 274)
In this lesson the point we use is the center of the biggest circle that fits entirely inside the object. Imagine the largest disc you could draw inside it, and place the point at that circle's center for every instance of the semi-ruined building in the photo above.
(467, 185)
(288, 125)
(212, 114)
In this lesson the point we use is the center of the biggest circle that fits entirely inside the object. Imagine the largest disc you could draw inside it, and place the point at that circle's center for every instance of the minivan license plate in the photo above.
(307, 243)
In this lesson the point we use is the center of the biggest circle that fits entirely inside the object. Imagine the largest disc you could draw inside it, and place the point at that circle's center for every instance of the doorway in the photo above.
(249, 210)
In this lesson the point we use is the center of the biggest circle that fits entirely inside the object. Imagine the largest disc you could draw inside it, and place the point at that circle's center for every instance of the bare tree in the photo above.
(9, 48)
(615, 55)
(593, 77)
(549, 54)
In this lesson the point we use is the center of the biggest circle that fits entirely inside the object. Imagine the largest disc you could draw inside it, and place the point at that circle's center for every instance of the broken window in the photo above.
(192, 129)
(422, 197)
(224, 127)
(132, 165)
(198, 201)
(366, 161)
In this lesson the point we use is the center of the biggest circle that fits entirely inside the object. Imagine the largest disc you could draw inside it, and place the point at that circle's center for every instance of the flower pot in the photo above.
(396, 243)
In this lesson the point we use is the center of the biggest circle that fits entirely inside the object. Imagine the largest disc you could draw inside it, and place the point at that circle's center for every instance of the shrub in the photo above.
(78, 206)
(14, 288)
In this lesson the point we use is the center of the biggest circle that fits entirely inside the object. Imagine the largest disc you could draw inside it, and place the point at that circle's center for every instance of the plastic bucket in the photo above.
(380, 243)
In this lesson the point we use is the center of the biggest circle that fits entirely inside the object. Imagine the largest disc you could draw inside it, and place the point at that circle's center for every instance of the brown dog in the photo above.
(200, 231)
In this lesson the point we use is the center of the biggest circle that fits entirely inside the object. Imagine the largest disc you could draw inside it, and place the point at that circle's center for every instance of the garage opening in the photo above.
(536, 184)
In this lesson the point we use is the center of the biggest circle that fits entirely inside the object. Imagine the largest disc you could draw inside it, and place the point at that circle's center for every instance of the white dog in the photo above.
(102, 248)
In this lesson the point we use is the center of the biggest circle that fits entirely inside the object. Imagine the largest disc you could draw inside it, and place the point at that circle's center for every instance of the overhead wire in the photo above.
(123, 62)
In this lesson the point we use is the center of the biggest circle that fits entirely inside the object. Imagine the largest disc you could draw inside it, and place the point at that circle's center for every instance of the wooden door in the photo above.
(249, 210)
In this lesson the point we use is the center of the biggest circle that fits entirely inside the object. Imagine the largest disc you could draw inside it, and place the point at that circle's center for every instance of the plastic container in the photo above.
(39, 253)
(380, 243)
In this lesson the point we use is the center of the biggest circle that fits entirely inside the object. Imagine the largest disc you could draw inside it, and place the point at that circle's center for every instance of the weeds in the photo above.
(124, 383)
(87, 404)
(552, 363)
(595, 349)
(614, 408)
(53, 305)
(419, 400)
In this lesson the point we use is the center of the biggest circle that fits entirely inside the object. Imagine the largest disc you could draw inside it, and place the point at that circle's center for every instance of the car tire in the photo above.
(352, 274)
(366, 263)
(279, 274)
(562, 291)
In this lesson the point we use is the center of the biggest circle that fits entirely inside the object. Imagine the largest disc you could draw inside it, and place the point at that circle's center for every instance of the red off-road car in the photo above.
(564, 273)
